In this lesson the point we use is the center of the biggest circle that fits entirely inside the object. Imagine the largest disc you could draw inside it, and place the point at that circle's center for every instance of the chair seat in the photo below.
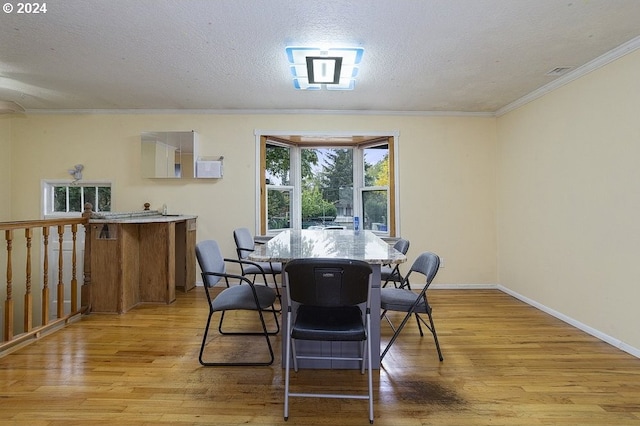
(241, 297)
(385, 272)
(269, 268)
(401, 300)
(332, 324)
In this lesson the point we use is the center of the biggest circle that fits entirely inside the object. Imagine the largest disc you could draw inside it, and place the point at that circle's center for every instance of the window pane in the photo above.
(374, 207)
(60, 199)
(104, 199)
(75, 199)
(376, 166)
(327, 187)
(278, 208)
(90, 195)
(278, 165)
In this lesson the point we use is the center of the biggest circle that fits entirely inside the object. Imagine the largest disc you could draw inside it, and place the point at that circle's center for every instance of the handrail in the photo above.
(21, 224)
(36, 321)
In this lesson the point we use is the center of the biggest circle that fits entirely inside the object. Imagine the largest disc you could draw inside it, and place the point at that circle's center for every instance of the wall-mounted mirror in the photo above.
(168, 154)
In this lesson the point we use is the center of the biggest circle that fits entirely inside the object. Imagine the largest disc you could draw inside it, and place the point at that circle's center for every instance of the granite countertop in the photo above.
(137, 217)
(333, 243)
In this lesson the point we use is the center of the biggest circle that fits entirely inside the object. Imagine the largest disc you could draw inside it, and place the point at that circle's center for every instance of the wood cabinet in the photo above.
(143, 260)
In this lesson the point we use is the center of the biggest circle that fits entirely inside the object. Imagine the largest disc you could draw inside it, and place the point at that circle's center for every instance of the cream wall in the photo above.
(447, 174)
(5, 168)
(569, 200)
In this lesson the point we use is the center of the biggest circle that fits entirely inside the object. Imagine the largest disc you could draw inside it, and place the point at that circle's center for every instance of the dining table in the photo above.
(339, 244)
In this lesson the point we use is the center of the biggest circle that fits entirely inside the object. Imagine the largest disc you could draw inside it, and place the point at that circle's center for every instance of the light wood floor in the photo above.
(505, 364)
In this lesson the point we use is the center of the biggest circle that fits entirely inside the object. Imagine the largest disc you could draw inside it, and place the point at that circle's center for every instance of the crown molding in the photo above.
(10, 107)
(253, 112)
(585, 69)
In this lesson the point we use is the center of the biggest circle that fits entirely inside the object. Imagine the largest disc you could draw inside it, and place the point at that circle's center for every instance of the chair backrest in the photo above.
(244, 242)
(328, 282)
(210, 260)
(426, 264)
(402, 246)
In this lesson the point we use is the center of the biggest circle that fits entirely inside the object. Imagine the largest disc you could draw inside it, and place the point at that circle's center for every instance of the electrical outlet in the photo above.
(442, 262)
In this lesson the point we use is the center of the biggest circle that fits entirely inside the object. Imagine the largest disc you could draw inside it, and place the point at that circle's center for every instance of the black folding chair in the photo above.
(327, 293)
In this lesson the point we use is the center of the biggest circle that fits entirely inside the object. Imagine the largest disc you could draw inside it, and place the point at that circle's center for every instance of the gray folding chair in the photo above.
(392, 272)
(245, 296)
(403, 299)
(327, 293)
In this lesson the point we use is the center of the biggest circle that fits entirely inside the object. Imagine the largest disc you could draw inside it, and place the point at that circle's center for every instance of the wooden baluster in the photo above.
(8, 303)
(45, 276)
(74, 279)
(85, 293)
(28, 297)
(60, 272)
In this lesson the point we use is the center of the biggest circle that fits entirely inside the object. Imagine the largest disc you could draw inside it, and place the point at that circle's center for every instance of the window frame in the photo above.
(47, 192)
(286, 138)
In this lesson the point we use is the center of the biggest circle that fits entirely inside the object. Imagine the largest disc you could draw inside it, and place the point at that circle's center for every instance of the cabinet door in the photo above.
(106, 269)
(157, 276)
(186, 254)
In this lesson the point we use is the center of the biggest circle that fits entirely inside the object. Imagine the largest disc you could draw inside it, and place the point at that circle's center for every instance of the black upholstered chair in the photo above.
(323, 303)
(403, 299)
(244, 296)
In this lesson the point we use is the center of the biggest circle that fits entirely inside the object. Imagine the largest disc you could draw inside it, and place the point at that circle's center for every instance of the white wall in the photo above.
(446, 171)
(569, 200)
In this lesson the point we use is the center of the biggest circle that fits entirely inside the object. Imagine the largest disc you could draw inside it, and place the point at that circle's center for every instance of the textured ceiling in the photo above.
(420, 55)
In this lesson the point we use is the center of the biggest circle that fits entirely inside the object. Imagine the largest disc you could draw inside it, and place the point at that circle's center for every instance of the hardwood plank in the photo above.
(506, 363)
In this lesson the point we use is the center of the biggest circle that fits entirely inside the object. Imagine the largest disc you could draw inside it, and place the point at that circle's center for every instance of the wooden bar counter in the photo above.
(139, 259)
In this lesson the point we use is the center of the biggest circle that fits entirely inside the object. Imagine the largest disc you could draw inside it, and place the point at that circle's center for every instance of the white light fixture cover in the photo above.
(351, 57)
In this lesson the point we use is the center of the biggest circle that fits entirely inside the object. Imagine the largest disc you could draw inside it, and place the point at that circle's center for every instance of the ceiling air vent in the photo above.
(559, 71)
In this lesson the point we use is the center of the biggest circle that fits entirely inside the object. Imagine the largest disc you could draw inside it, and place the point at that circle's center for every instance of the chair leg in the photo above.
(364, 355)
(419, 325)
(435, 337)
(294, 356)
(432, 328)
(264, 333)
(395, 334)
(384, 315)
(287, 354)
(204, 338)
(369, 367)
(275, 280)
(275, 285)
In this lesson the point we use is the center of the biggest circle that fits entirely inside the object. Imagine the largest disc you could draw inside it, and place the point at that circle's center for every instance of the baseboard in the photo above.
(463, 286)
(577, 324)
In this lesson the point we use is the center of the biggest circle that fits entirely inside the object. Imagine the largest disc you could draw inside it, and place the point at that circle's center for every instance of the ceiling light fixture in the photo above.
(314, 68)
(324, 69)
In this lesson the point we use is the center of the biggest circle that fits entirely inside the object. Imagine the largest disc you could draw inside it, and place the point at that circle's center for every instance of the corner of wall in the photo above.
(5, 168)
